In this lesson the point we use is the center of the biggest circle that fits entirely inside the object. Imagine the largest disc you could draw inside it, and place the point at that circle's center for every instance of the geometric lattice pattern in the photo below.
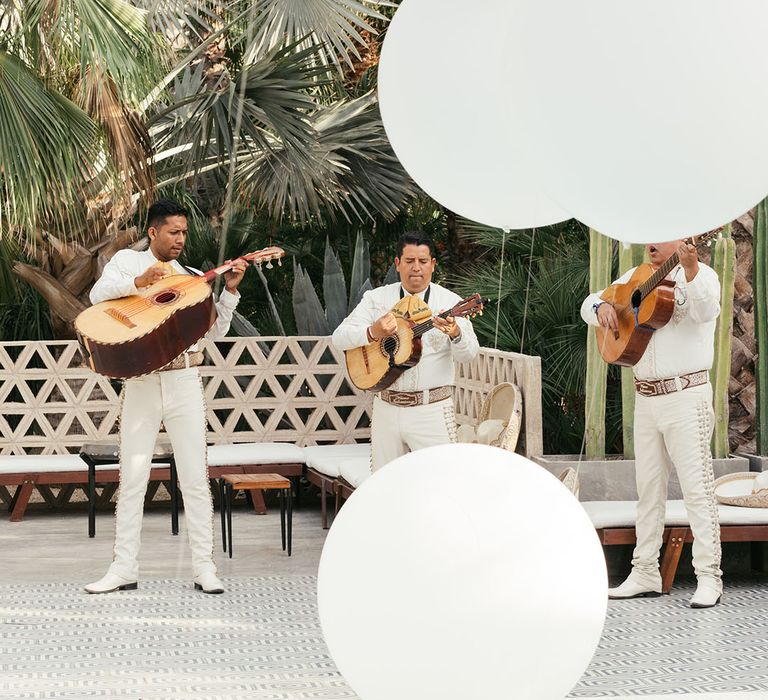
(262, 640)
(273, 389)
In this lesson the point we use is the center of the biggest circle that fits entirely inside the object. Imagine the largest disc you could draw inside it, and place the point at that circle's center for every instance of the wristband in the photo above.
(596, 306)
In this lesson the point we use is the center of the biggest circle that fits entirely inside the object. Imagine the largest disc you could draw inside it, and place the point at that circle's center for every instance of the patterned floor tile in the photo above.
(262, 641)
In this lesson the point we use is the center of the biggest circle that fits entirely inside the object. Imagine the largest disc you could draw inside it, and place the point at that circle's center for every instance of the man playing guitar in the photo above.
(174, 396)
(673, 422)
(417, 411)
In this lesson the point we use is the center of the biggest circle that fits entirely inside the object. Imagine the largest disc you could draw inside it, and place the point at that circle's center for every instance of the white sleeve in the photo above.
(225, 308)
(587, 305)
(466, 347)
(117, 279)
(704, 295)
(351, 332)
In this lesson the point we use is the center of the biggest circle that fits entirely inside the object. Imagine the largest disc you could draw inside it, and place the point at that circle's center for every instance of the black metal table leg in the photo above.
(91, 494)
(281, 495)
(297, 485)
(223, 511)
(229, 499)
(174, 498)
(290, 520)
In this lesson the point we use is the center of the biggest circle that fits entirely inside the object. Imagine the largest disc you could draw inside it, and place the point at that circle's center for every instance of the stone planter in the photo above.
(757, 463)
(613, 478)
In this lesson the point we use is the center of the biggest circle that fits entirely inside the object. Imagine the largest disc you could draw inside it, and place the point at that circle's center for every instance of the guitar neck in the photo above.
(656, 278)
(220, 270)
(421, 328)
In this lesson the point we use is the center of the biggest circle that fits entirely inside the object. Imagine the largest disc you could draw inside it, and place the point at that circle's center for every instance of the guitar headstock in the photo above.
(472, 306)
(265, 255)
(705, 239)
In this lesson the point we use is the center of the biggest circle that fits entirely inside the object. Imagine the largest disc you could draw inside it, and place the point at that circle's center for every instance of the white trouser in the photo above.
(396, 430)
(174, 398)
(675, 429)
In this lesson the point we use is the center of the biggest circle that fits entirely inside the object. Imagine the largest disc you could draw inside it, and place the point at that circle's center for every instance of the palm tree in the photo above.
(103, 103)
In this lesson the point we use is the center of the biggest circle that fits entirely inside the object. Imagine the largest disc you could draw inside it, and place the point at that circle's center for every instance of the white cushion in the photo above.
(622, 514)
(19, 464)
(355, 470)
(246, 453)
(327, 458)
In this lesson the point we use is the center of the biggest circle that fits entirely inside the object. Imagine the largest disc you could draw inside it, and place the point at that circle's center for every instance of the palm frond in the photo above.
(182, 24)
(48, 148)
(335, 28)
(197, 128)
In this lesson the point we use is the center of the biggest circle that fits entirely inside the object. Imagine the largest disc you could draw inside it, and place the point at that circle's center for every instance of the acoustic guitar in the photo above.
(377, 365)
(643, 304)
(138, 334)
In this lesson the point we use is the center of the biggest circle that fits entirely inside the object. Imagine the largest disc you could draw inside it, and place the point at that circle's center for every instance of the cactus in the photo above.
(724, 263)
(629, 256)
(600, 264)
(760, 295)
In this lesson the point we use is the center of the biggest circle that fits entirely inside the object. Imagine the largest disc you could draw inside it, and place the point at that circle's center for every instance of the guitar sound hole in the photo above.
(165, 297)
(389, 345)
(636, 299)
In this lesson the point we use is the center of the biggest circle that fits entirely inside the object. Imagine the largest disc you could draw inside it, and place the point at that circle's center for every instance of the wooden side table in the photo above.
(230, 484)
(94, 454)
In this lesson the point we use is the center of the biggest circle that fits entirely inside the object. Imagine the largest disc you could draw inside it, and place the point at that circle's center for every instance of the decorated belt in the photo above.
(416, 398)
(660, 387)
(186, 359)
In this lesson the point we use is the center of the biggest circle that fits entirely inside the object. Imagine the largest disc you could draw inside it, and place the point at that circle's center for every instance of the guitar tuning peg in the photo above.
(279, 262)
(481, 312)
(269, 265)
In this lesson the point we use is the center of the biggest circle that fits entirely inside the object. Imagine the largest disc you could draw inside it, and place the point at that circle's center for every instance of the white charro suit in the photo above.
(675, 429)
(174, 398)
(396, 430)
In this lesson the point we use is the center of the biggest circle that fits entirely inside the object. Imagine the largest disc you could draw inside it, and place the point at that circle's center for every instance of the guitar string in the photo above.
(144, 303)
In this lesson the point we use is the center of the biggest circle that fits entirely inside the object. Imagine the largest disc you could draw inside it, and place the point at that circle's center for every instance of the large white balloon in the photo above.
(442, 91)
(458, 572)
(648, 126)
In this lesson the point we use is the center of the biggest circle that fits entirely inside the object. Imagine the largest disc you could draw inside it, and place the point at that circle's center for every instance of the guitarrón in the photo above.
(138, 334)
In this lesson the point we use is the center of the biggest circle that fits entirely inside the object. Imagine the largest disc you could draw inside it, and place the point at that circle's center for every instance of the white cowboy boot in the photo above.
(708, 593)
(111, 582)
(636, 586)
(208, 582)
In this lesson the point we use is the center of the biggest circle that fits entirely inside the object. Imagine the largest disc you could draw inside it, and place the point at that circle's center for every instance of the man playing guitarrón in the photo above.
(417, 410)
(174, 396)
(673, 423)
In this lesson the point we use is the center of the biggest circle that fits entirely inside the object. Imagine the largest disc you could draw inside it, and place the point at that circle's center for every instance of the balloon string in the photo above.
(527, 291)
(498, 295)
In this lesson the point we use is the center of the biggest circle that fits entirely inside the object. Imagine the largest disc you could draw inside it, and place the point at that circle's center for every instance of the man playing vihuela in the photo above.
(417, 410)
(673, 423)
(173, 395)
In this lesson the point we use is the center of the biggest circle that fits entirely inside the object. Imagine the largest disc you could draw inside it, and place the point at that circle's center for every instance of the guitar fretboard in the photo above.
(421, 328)
(655, 279)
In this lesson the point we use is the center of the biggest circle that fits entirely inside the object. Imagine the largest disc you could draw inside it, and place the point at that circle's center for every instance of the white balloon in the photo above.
(442, 96)
(647, 126)
(462, 571)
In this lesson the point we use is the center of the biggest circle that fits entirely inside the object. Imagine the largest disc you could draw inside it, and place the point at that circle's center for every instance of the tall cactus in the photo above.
(724, 263)
(629, 256)
(760, 294)
(600, 264)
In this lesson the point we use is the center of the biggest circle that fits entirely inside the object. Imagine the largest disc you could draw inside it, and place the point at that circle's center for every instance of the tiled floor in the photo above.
(262, 639)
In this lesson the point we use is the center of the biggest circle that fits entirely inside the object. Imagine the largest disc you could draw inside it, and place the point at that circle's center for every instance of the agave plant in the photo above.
(310, 317)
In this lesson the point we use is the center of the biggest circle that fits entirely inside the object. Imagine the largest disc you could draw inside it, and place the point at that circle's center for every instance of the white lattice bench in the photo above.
(615, 524)
(337, 470)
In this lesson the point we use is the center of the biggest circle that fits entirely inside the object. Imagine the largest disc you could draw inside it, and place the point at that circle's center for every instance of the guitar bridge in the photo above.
(121, 317)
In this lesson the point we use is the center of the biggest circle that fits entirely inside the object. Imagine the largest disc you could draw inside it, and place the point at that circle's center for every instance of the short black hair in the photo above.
(161, 210)
(415, 238)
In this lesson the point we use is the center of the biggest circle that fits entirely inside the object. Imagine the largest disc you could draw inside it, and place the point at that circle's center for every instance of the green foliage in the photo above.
(552, 266)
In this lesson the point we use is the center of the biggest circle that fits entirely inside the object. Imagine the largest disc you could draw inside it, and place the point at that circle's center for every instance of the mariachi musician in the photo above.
(673, 422)
(174, 396)
(417, 411)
